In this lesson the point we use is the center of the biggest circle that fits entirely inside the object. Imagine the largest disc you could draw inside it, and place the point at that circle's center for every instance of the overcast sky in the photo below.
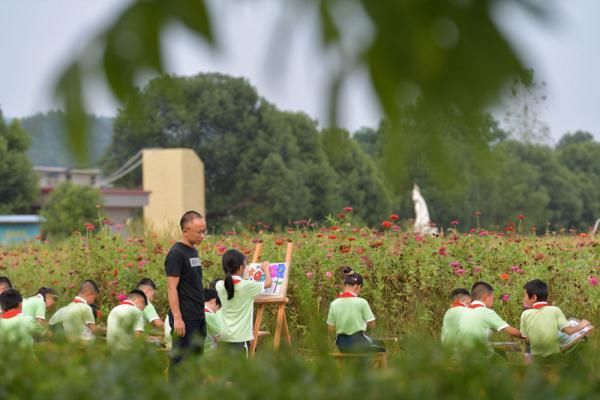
(39, 37)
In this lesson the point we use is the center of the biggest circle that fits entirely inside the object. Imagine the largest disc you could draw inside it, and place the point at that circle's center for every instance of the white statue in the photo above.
(596, 226)
(422, 222)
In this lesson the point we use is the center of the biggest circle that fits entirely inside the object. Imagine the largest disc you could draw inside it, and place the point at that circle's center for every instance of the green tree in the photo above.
(247, 145)
(69, 208)
(18, 182)
(361, 184)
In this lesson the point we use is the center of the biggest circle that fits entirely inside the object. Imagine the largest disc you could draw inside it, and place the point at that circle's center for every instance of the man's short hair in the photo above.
(188, 217)
(89, 286)
(459, 292)
(137, 293)
(480, 289)
(146, 282)
(10, 299)
(4, 280)
(538, 288)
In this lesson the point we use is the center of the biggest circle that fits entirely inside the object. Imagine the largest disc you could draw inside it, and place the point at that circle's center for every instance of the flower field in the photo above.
(407, 281)
(407, 277)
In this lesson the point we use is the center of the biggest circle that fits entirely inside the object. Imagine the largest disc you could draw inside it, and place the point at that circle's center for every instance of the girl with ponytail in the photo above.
(237, 301)
(350, 315)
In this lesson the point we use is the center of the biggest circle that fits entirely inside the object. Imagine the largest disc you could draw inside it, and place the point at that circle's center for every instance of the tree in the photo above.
(18, 182)
(249, 148)
(69, 208)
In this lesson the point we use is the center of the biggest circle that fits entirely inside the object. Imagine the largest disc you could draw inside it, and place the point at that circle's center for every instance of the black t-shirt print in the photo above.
(183, 261)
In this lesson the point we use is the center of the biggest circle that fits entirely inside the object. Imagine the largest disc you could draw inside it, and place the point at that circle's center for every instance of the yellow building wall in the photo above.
(175, 180)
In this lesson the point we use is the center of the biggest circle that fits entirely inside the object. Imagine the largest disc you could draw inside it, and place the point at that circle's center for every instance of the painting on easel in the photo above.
(278, 275)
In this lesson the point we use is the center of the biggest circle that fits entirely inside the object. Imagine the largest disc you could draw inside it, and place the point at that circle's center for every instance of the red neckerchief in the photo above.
(208, 310)
(476, 305)
(127, 302)
(458, 304)
(10, 313)
(76, 300)
(346, 295)
(539, 304)
(236, 279)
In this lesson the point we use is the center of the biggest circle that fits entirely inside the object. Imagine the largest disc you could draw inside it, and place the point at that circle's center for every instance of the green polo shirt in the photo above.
(123, 321)
(349, 315)
(150, 313)
(213, 328)
(18, 331)
(238, 313)
(476, 324)
(450, 325)
(35, 307)
(541, 326)
(75, 318)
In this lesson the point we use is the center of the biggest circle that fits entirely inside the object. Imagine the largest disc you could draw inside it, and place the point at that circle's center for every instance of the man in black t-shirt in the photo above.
(184, 288)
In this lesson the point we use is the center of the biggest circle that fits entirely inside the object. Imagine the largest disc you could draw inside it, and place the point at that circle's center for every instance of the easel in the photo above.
(280, 302)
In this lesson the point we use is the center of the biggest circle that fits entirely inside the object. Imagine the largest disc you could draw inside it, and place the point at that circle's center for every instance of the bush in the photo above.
(70, 207)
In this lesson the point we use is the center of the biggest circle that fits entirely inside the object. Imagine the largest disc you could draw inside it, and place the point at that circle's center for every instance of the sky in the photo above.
(41, 37)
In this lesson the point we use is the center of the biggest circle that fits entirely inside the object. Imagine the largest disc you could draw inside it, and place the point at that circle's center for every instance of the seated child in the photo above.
(461, 299)
(237, 300)
(16, 328)
(541, 322)
(476, 324)
(349, 316)
(212, 313)
(147, 286)
(77, 318)
(5, 284)
(126, 320)
(36, 306)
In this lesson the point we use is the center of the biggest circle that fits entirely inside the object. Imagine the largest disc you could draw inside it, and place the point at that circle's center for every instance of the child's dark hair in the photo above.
(89, 286)
(10, 299)
(351, 278)
(137, 293)
(213, 284)
(211, 293)
(6, 281)
(538, 288)
(459, 292)
(45, 291)
(480, 289)
(232, 261)
(146, 282)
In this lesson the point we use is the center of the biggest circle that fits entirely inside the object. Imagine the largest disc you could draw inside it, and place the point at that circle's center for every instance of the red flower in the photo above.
(332, 237)
(279, 242)
(341, 215)
(477, 213)
(520, 217)
(394, 217)
(386, 224)
(454, 222)
(348, 209)
(504, 276)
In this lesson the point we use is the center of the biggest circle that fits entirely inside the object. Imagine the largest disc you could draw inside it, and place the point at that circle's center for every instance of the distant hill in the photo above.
(49, 147)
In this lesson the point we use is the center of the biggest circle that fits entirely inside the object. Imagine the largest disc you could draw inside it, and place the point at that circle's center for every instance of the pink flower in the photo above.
(348, 209)
(309, 274)
(505, 297)
(454, 222)
(459, 272)
(476, 270)
(483, 233)
(121, 297)
(515, 268)
(328, 275)
(592, 280)
(142, 263)
(520, 217)
(455, 264)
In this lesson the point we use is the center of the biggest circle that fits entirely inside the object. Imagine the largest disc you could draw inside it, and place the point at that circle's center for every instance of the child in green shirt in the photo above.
(461, 300)
(16, 329)
(476, 324)
(237, 299)
(212, 313)
(77, 318)
(36, 306)
(126, 321)
(350, 315)
(541, 322)
(5, 284)
(148, 286)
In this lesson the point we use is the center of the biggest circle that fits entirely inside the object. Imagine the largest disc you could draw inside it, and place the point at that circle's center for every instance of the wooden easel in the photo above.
(261, 301)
